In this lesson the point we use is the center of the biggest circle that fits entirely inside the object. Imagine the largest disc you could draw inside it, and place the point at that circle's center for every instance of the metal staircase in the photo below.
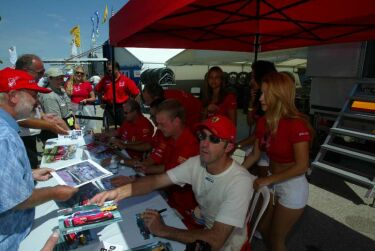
(349, 149)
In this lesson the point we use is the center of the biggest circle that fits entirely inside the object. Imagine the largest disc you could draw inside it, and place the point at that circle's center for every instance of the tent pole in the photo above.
(114, 84)
(256, 47)
(257, 35)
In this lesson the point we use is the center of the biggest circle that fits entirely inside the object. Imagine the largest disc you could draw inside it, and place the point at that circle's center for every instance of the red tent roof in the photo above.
(233, 24)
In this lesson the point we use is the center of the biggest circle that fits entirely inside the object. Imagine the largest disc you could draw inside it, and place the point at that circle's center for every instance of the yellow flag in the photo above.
(77, 35)
(105, 14)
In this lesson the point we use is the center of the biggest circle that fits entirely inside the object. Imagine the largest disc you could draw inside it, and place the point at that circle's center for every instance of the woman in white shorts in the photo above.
(285, 135)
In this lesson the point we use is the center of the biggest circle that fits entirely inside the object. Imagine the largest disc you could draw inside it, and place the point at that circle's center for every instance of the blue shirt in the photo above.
(16, 185)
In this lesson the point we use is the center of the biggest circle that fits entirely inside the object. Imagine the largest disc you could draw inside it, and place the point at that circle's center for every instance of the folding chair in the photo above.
(266, 199)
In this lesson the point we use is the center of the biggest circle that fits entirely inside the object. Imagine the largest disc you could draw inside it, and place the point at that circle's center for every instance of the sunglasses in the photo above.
(212, 138)
(80, 73)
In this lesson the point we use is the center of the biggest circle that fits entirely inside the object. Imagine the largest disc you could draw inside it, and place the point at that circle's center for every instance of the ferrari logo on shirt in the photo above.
(215, 119)
(77, 88)
(121, 84)
(12, 81)
(124, 136)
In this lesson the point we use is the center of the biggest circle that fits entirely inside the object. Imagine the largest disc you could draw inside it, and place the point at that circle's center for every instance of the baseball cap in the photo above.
(54, 72)
(11, 79)
(220, 126)
(94, 79)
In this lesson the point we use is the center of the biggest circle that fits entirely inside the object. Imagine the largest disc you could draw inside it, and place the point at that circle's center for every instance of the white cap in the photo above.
(94, 79)
(54, 72)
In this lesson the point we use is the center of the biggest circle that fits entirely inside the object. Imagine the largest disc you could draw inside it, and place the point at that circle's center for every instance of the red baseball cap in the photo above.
(220, 126)
(11, 79)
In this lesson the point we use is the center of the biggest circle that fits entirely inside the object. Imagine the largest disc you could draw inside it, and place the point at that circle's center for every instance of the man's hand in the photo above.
(100, 136)
(153, 222)
(100, 198)
(122, 180)
(116, 143)
(63, 193)
(53, 119)
(56, 128)
(139, 167)
(130, 162)
(42, 174)
(62, 123)
(52, 241)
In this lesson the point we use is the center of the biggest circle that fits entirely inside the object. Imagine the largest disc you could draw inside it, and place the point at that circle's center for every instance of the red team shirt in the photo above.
(279, 147)
(178, 151)
(124, 87)
(229, 103)
(192, 105)
(159, 146)
(80, 92)
(139, 130)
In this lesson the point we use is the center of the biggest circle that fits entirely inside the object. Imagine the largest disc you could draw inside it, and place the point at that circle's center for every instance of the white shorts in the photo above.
(86, 110)
(292, 193)
(263, 160)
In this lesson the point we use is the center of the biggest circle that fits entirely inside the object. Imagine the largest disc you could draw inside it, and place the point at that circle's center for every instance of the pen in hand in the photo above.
(162, 210)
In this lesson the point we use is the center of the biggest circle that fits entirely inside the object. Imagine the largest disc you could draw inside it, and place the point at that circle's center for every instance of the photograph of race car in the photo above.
(87, 217)
(80, 218)
(64, 152)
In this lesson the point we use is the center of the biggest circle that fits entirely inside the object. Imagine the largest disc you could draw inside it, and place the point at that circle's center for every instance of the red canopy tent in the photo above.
(241, 25)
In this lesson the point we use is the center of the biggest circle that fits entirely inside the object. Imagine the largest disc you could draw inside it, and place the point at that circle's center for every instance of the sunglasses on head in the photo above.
(212, 138)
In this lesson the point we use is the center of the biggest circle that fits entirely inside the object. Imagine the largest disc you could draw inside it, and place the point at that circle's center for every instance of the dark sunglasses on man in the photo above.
(212, 138)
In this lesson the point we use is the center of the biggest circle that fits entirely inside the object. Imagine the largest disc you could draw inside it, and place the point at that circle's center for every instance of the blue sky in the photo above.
(42, 27)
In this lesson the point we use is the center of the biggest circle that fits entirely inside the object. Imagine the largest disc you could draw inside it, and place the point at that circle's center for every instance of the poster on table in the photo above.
(61, 152)
(80, 218)
(80, 173)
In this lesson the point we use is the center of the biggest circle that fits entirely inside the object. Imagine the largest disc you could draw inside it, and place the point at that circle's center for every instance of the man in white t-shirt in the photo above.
(221, 186)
